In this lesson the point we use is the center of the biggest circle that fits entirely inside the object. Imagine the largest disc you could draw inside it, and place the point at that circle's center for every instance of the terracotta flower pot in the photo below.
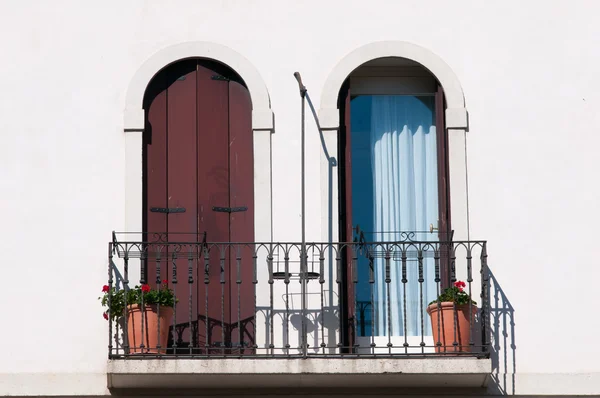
(449, 321)
(151, 336)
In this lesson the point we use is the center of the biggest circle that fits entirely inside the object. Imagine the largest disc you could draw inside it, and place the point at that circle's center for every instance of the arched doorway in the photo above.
(394, 187)
(198, 165)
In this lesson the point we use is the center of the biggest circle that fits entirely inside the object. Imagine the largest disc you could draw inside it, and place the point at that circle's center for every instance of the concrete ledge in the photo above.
(298, 373)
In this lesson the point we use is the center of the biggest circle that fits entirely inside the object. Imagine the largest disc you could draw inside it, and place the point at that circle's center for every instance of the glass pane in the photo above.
(394, 192)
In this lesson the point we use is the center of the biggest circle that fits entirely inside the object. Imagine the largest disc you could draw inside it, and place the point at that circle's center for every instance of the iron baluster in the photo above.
(354, 270)
(421, 280)
(469, 281)
(404, 311)
(438, 291)
(222, 250)
(271, 312)
(174, 282)
(452, 263)
(109, 300)
(158, 278)
(372, 291)
(206, 254)
(143, 315)
(239, 302)
(254, 286)
(322, 290)
(190, 290)
(485, 307)
(286, 268)
(338, 262)
(126, 287)
(388, 281)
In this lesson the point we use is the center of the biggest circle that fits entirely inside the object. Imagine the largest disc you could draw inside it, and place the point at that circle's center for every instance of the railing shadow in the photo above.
(320, 324)
(119, 335)
(503, 348)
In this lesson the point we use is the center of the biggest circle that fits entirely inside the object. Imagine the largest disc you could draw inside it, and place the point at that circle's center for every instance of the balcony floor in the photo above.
(311, 373)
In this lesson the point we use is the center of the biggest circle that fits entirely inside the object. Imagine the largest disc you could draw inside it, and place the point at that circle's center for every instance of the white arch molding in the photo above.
(262, 116)
(262, 126)
(456, 121)
(456, 113)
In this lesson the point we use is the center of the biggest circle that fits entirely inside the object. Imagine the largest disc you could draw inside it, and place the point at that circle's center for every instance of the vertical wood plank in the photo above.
(213, 191)
(443, 186)
(155, 167)
(181, 176)
(346, 224)
(241, 169)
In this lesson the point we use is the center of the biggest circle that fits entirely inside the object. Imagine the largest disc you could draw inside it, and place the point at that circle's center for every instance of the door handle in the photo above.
(432, 228)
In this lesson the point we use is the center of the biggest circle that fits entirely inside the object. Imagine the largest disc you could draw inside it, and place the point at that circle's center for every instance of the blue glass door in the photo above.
(394, 197)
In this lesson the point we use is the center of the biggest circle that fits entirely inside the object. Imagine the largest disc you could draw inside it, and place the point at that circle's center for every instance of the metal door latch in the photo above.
(229, 209)
(167, 210)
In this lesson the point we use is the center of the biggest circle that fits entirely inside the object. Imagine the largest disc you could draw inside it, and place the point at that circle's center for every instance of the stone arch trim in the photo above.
(456, 112)
(262, 116)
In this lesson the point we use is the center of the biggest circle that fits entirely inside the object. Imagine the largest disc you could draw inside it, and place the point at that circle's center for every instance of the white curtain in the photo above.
(405, 198)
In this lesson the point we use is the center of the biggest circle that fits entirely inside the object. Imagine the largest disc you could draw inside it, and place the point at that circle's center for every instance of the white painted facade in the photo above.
(522, 160)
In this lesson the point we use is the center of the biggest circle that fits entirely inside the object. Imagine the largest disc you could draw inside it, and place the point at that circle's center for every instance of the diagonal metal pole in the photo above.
(303, 256)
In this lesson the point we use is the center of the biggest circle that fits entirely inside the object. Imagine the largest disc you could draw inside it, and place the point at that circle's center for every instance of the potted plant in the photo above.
(149, 314)
(451, 315)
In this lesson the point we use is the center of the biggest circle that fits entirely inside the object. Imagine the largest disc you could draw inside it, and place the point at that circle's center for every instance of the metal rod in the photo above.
(110, 315)
(190, 295)
(206, 289)
(303, 265)
(485, 305)
(126, 287)
(321, 284)
(222, 250)
(254, 285)
(388, 281)
(404, 282)
(159, 286)
(143, 313)
(372, 289)
(421, 301)
(238, 282)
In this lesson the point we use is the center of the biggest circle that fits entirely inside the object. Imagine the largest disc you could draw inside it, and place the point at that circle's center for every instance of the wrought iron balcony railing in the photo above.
(261, 300)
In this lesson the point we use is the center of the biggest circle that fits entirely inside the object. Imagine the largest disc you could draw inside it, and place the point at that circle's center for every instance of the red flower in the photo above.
(105, 315)
(165, 281)
(145, 288)
(105, 289)
(460, 285)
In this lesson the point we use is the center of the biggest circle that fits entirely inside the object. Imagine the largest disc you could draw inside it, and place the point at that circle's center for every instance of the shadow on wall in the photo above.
(119, 334)
(503, 348)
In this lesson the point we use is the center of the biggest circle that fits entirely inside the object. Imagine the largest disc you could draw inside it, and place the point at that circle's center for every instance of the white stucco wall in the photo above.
(528, 71)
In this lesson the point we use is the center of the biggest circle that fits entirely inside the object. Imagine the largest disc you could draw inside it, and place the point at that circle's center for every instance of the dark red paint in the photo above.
(199, 154)
(241, 183)
(444, 226)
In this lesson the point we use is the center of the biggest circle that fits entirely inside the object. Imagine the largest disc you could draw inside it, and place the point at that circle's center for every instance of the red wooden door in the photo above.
(199, 164)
